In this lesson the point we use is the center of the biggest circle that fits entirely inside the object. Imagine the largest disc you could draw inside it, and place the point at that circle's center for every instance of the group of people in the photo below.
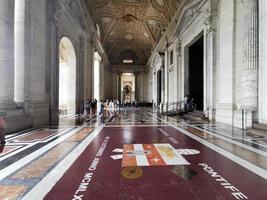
(89, 107)
(93, 108)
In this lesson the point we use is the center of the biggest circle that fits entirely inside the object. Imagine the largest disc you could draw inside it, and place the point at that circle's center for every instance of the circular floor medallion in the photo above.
(132, 172)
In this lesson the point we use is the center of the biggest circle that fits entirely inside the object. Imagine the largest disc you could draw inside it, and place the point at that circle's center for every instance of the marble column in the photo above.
(262, 61)
(155, 85)
(179, 72)
(101, 79)
(7, 55)
(119, 87)
(88, 58)
(162, 71)
(250, 55)
(19, 51)
(210, 61)
(166, 84)
(141, 86)
(137, 85)
(54, 74)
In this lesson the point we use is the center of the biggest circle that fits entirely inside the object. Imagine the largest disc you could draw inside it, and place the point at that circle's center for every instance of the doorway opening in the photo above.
(195, 72)
(128, 88)
(159, 75)
(127, 93)
(67, 78)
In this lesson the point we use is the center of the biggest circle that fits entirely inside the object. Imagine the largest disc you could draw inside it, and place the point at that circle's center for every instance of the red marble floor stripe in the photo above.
(211, 176)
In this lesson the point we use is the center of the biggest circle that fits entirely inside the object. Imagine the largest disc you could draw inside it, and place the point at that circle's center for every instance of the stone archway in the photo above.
(67, 78)
(127, 92)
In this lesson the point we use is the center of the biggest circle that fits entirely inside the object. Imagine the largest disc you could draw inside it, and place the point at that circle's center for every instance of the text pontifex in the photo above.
(234, 191)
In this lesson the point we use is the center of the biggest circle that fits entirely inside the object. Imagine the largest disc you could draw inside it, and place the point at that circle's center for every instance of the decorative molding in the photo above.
(208, 24)
(157, 62)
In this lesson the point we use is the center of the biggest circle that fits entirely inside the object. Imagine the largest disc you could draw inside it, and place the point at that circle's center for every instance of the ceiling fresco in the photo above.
(131, 29)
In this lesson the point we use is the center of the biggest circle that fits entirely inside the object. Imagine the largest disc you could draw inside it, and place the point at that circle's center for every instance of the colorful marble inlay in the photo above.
(7, 149)
(10, 192)
(80, 135)
(37, 168)
(127, 159)
(37, 135)
(95, 170)
(151, 155)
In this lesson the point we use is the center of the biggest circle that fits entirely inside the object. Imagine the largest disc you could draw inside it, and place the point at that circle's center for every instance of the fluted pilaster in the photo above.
(250, 55)
(7, 55)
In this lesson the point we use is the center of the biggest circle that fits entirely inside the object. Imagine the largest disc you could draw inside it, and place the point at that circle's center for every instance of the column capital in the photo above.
(208, 22)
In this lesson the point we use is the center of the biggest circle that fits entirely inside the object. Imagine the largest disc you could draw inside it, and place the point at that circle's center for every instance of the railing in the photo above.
(178, 108)
(172, 108)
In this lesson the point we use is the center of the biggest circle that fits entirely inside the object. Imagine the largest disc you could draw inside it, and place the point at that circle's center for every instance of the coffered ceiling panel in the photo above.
(130, 29)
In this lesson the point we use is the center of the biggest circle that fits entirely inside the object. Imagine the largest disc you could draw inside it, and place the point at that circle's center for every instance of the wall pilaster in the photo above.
(7, 55)
(263, 61)
(250, 55)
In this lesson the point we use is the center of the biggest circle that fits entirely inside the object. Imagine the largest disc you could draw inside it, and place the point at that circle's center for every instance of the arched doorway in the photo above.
(67, 78)
(128, 81)
(127, 93)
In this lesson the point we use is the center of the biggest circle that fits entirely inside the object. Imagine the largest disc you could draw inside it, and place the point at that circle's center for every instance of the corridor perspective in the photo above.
(133, 99)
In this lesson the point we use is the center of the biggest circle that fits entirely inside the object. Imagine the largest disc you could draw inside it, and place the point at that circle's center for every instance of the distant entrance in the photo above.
(67, 78)
(159, 87)
(127, 93)
(128, 88)
(196, 73)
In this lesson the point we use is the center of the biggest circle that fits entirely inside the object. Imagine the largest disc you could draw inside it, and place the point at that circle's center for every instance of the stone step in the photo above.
(260, 126)
(192, 117)
(257, 132)
(196, 113)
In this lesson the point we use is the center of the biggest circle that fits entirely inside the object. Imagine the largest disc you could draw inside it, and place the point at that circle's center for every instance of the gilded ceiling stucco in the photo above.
(131, 28)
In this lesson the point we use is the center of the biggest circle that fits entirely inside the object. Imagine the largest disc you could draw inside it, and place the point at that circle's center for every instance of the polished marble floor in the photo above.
(134, 154)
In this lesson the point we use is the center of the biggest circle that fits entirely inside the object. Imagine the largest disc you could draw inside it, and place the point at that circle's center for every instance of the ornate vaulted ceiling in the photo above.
(130, 29)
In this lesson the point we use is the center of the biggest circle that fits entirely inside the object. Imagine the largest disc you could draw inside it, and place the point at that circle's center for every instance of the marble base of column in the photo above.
(5, 106)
